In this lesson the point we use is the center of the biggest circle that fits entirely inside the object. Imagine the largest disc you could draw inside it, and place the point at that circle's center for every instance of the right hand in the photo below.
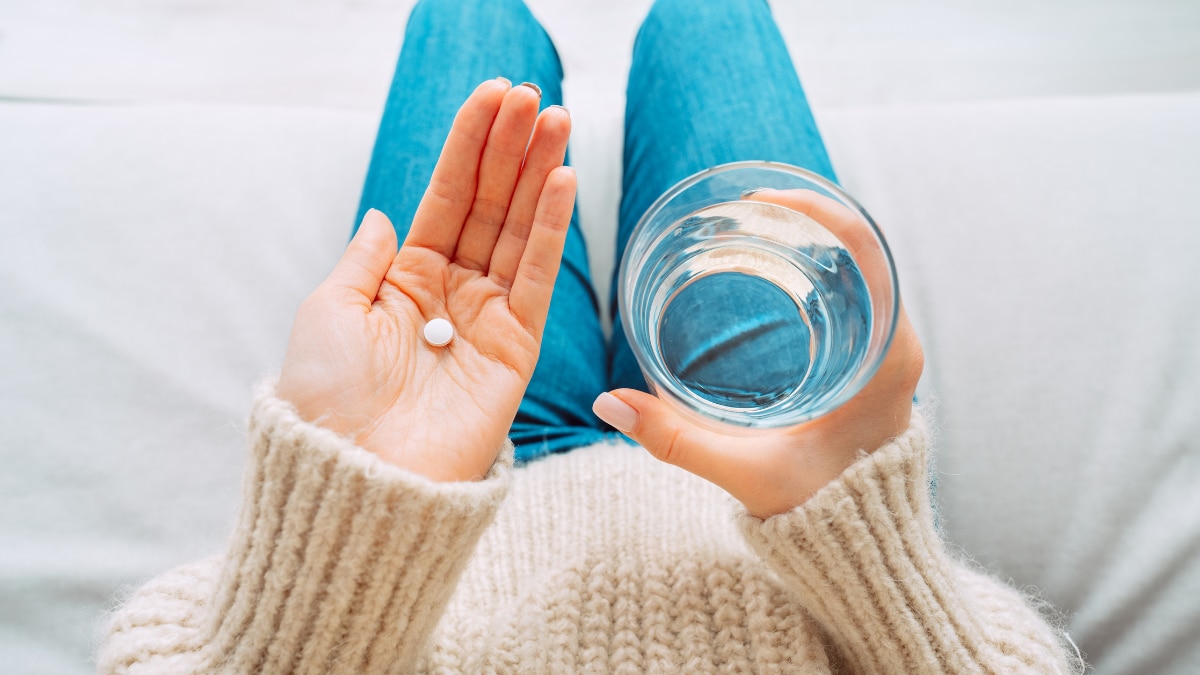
(483, 252)
(774, 472)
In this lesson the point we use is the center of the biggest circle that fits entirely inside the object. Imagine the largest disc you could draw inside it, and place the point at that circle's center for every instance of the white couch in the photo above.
(175, 175)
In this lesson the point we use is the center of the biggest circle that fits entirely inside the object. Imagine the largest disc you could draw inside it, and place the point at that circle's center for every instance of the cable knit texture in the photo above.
(598, 560)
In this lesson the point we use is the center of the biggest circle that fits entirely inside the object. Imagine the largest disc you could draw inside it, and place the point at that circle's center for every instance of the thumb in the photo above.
(367, 258)
(662, 431)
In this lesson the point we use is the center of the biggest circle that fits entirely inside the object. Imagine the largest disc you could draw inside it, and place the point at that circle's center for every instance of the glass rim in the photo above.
(866, 372)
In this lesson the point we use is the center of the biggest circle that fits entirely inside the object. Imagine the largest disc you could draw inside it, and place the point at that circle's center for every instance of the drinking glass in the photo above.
(746, 314)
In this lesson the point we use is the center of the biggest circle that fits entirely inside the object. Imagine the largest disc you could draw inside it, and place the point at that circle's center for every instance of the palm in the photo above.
(483, 252)
(475, 385)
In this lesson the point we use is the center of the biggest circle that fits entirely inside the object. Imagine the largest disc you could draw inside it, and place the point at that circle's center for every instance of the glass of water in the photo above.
(748, 314)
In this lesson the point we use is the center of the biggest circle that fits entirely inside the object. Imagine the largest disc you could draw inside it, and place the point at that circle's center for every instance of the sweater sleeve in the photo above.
(337, 559)
(865, 559)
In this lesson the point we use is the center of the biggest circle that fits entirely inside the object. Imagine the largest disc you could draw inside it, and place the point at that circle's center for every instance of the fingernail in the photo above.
(372, 221)
(747, 193)
(505, 80)
(616, 412)
(562, 108)
(533, 87)
(371, 216)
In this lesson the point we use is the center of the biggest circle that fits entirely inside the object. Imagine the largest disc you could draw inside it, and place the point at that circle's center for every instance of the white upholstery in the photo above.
(175, 176)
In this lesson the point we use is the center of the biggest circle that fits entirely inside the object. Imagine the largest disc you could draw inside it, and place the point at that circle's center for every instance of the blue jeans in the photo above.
(711, 82)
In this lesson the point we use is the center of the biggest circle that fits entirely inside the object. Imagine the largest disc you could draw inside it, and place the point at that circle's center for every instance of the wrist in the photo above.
(423, 452)
(822, 454)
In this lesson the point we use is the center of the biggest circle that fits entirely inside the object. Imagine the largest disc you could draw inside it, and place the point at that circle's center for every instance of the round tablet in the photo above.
(439, 332)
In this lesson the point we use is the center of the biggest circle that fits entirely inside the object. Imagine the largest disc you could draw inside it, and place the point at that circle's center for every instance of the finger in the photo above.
(498, 171)
(851, 228)
(669, 437)
(769, 475)
(890, 391)
(447, 201)
(905, 360)
(546, 152)
(529, 298)
(889, 394)
(366, 260)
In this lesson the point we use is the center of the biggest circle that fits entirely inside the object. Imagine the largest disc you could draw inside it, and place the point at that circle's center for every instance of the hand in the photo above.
(776, 472)
(483, 252)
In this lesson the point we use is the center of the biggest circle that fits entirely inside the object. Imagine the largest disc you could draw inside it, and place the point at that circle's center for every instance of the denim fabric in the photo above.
(711, 82)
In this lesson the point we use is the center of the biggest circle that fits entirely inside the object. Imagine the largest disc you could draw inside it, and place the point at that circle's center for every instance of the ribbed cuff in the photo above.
(339, 557)
(865, 559)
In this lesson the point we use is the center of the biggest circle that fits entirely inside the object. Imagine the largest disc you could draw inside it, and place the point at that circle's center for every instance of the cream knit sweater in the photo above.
(598, 560)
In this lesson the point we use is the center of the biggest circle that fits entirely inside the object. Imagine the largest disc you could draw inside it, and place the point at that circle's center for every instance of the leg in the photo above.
(450, 46)
(711, 83)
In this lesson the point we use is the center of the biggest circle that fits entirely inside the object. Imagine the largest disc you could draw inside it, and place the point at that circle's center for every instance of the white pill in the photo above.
(439, 332)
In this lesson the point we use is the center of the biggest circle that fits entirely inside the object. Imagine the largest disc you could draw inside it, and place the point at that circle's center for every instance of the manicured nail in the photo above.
(616, 412)
(373, 221)
(533, 87)
(562, 108)
(371, 216)
(747, 193)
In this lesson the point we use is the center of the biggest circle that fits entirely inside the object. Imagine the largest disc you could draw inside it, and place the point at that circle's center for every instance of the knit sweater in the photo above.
(598, 560)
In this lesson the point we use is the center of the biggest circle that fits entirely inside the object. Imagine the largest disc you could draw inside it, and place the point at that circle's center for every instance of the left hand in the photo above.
(776, 472)
(483, 252)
